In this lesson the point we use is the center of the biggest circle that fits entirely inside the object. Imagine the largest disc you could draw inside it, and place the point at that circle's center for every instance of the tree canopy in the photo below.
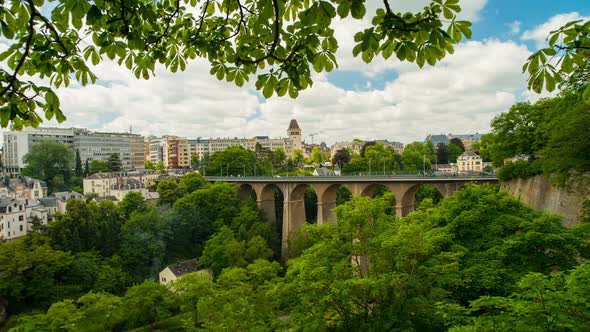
(279, 41)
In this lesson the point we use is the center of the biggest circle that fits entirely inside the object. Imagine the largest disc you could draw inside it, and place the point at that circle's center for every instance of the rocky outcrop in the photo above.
(537, 192)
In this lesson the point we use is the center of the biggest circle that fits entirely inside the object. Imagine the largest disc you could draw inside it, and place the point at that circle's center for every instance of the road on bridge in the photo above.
(352, 178)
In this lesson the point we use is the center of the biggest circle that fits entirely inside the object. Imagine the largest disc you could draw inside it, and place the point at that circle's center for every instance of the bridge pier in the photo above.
(325, 214)
(293, 220)
(268, 206)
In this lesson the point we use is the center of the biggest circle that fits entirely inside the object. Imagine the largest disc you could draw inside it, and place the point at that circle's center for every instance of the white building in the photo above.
(290, 143)
(469, 162)
(18, 143)
(92, 146)
(13, 218)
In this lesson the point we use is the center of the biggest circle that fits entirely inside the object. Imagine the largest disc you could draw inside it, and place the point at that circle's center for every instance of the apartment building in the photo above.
(290, 143)
(13, 218)
(101, 145)
(469, 162)
(18, 143)
(173, 151)
(91, 145)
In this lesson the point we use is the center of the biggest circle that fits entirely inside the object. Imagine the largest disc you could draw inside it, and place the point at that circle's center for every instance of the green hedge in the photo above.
(520, 170)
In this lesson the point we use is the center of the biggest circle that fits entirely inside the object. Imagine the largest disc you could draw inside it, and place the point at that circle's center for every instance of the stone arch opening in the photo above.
(425, 191)
(246, 192)
(331, 197)
(271, 202)
(305, 196)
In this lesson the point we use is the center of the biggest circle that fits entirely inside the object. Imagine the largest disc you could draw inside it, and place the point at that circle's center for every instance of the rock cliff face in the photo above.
(537, 192)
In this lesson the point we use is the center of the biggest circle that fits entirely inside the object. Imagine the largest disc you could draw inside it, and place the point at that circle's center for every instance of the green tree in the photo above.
(317, 156)
(132, 202)
(198, 215)
(160, 167)
(298, 157)
(78, 165)
(50, 161)
(29, 275)
(442, 153)
(114, 163)
(541, 302)
(149, 165)
(191, 182)
(295, 38)
(195, 161)
(86, 168)
(98, 166)
(279, 157)
(143, 244)
(569, 44)
(454, 151)
(169, 191)
(234, 160)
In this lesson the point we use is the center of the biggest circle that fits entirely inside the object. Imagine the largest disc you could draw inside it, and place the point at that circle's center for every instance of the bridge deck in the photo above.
(348, 179)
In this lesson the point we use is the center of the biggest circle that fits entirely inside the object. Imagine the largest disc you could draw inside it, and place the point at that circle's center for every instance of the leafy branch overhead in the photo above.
(568, 50)
(280, 41)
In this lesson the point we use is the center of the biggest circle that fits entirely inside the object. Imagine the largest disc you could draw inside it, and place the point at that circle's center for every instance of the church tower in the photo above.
(294, 134)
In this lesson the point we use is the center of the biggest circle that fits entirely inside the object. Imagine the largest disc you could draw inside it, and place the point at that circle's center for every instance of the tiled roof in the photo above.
(293, 124)
(99, 176)
(469, 154)
(106, 198)
(182, 268)
(65, 195)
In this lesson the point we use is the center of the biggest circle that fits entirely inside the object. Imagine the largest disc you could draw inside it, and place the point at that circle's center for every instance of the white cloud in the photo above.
(345, 29)
(459, 95)
(514, 27)
(540, 32)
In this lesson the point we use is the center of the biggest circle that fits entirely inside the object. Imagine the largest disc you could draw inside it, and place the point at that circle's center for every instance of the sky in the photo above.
(386, 99)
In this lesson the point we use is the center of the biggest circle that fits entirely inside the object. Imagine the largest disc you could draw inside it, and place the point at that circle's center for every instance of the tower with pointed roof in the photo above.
(294, 134)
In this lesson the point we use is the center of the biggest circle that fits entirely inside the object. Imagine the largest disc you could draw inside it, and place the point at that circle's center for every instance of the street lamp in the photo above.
(369, 166)
(383, 166)
(244, 169)
(254, 169)
(423, 165)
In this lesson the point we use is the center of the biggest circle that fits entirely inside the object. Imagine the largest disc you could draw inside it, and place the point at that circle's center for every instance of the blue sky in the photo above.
(495, 22)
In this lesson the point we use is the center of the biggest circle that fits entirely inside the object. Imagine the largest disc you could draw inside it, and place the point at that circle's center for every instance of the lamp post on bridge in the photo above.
(424, 165)
(369, 166)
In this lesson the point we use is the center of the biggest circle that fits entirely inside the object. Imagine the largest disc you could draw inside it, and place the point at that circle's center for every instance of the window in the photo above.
(21, 218)
(163, 279)
(21, 228)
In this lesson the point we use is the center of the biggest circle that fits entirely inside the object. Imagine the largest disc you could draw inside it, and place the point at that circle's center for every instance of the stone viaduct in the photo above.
(293, 189)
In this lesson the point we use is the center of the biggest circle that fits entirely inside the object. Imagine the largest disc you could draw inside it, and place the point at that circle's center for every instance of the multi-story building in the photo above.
(173, 151)
(354, 147)
(18, 143)
(26, 188)
(91, 145)
(118, 184)
(100, 146)
(199, 146)
(469, 162)
(290, 143)
(466, 139)
(13, 218)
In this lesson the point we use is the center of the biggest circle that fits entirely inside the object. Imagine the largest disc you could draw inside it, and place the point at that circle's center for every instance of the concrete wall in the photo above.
(537, 192)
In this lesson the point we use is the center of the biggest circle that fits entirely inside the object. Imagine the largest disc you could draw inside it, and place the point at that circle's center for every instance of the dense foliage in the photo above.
(551, 133)
(377, 158)
(478, 261)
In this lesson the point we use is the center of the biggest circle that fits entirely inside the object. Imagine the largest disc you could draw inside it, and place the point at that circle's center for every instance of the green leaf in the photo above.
(358, 9)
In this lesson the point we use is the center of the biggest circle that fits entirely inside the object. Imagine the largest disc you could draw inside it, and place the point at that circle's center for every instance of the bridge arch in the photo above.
(266, 201)
(327, 201)
(247, 191)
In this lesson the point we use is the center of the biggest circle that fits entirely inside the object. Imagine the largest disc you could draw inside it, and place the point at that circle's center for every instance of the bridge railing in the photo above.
(438, 175)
